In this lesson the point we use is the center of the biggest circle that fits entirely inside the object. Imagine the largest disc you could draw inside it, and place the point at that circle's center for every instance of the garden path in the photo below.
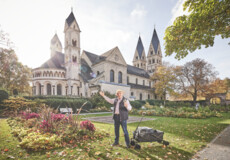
(217, 149)
(109, 119)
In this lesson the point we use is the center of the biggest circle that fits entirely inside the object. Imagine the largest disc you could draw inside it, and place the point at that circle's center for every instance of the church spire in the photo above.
(139, 59)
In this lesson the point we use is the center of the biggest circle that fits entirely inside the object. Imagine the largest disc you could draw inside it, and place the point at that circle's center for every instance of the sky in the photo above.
(104, 24)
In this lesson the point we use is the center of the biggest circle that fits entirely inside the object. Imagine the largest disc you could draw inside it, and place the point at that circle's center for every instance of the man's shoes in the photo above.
(115, 144)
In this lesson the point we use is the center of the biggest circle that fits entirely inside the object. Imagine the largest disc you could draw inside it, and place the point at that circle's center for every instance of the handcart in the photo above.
(146, 134)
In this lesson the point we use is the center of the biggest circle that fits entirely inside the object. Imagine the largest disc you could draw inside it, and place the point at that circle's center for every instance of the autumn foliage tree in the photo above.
(13, 74)
(206, 19)
(165, 78)
(194, 77)
(217, 86)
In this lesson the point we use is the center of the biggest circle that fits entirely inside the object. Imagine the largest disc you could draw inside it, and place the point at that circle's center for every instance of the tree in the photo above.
(194, 76)
(13, 74)
(164, 78)
(207, 19)
(5, 40)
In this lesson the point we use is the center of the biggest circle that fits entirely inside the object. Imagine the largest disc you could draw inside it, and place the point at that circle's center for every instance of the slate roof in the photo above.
(85, 71)
(57, 61)
(94, 58)
(137, 86)
(70, 19)
(137, 71)
(140, 47)
(155, 41)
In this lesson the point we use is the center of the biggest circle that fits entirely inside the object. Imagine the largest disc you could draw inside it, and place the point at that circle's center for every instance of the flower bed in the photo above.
(47, 130)
(182, 112)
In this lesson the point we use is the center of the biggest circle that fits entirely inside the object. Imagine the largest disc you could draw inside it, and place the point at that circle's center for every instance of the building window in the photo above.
(131, 93)
(136, 81)
(153, 61)
(138, 65)
(149, 83)
(119, 77)
(127, 79)
(151, 52)
(48, 89)
(136, 57)
(140, 96)
(59, 90)
(98, 73)
(149, 61)
(143, 82)
(74, 42)
(111, 76)
(148, 96)
(155, 96)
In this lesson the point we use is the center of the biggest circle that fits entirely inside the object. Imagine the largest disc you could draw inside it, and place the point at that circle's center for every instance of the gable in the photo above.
(115, 56)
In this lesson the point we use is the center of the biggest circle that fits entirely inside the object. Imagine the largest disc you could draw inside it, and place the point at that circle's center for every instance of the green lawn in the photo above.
(186, 137)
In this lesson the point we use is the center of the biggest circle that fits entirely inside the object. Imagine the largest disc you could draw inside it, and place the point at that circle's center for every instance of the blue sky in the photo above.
(104, 25)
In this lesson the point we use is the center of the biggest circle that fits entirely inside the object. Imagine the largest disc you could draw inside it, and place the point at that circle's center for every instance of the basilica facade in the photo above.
(82, 74)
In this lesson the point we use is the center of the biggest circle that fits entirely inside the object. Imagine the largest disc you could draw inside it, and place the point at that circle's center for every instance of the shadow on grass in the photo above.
(156, 152)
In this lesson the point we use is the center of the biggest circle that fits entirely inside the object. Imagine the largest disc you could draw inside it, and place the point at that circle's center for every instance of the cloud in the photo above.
(138, 12)
(177, 10)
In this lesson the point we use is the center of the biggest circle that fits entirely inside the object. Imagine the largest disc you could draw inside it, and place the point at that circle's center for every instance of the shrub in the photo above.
(136, 104)
(3, 95)
(30, 115)
(87, 125)
(97, 100)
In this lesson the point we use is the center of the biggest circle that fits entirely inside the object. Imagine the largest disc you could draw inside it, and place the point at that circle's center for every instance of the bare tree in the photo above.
(194, 76)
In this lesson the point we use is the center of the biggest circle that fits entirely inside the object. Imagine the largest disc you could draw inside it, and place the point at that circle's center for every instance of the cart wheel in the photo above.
(159, 141)
(137, 146)
(132, 143)
(165, 143)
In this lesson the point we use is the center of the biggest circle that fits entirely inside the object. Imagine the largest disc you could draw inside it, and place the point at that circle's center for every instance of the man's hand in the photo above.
(126, 103)
(102, 93)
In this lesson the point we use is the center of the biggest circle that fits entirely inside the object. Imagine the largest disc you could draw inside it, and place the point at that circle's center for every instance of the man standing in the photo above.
(120, 115)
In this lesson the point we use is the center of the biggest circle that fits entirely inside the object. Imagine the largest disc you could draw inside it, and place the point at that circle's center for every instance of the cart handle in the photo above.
(143, 114)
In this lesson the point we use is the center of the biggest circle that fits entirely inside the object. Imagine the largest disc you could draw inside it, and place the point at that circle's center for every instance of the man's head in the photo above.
(119, 93)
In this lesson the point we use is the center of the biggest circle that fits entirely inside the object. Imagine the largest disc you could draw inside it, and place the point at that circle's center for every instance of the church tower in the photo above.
(72, 54)
(55, 45)
(139, 59)
(154, 57)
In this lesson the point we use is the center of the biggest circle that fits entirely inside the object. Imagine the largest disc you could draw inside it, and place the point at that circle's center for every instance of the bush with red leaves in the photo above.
(87, 125)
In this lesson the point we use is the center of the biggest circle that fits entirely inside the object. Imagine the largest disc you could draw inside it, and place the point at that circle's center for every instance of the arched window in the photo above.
(119, 77)
(48, 89)
(151, 52)
(59, 90)
(140, 96)
(111, 75)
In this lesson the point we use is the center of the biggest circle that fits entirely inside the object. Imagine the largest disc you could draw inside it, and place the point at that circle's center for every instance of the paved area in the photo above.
(218, 149)
(109, 119)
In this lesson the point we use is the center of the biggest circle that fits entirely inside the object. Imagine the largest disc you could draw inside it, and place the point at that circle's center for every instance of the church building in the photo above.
(82, 74)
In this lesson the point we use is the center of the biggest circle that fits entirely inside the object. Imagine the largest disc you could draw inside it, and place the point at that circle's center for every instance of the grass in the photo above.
(186, 137)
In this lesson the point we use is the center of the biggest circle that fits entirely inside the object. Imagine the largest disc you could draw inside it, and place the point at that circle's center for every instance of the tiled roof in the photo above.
(94, 58)
(57, 61)
(137, 86)
(155, 41)
(140, 47)
(137, 71)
